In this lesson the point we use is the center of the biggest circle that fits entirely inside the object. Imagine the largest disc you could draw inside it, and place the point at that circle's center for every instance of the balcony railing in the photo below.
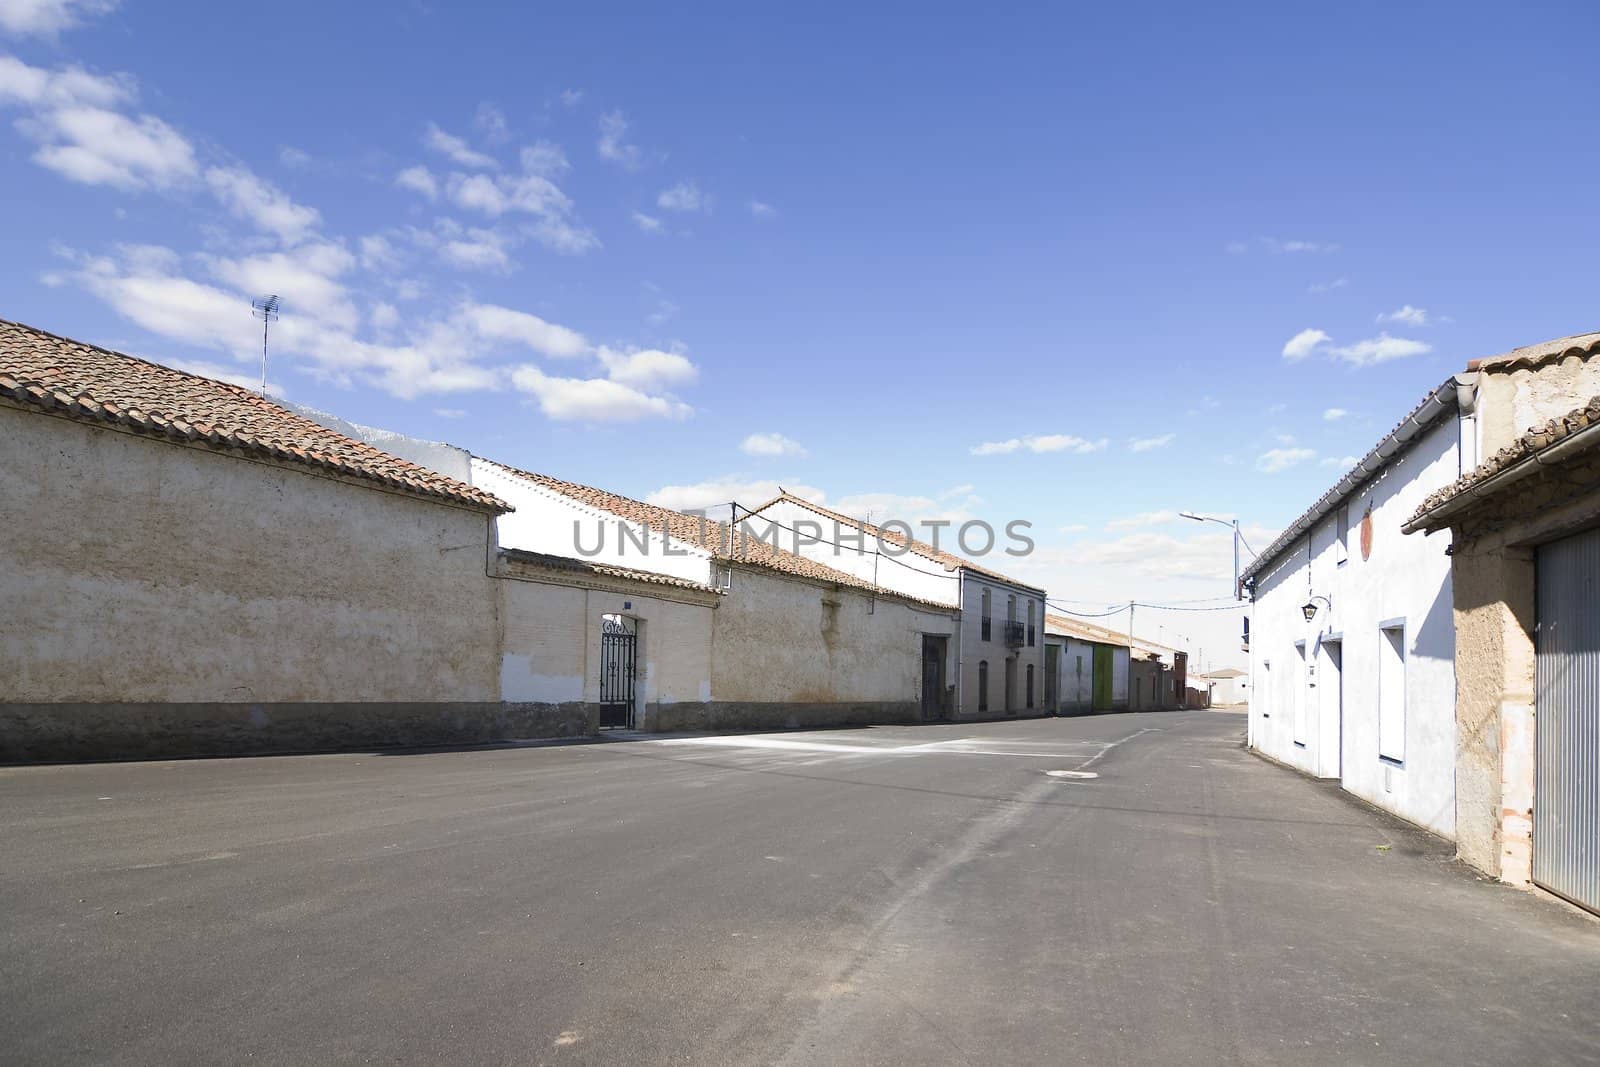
(1014, 634)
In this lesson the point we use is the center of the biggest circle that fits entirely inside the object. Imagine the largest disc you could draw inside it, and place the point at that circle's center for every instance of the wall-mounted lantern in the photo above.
(1310, 609)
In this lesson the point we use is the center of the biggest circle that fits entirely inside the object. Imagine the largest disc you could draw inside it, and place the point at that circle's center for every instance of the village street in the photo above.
(887, 895)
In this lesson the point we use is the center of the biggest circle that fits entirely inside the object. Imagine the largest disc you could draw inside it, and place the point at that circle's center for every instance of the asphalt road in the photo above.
(898, 895)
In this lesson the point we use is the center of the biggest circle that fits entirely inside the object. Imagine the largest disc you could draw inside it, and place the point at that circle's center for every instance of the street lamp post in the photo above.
(1237, 538)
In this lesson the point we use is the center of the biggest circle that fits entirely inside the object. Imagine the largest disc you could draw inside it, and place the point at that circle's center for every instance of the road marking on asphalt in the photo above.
(965, 746)
(1073, 774)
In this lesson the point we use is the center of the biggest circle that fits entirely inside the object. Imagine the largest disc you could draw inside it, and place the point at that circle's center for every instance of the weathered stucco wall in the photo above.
(1510, 403)
(1295, 711)
(790, 641)
(552, 643)
(138, 571)
(1495, 582)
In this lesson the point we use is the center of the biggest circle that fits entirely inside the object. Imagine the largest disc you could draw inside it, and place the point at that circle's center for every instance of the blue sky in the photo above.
(615, 246)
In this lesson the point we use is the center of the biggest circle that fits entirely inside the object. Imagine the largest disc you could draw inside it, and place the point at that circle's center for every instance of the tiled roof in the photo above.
(1579, 344)
(947, 559)
(1066, 626)
(96, 385)
(718, 538)
(607, 570)
(1530, 444)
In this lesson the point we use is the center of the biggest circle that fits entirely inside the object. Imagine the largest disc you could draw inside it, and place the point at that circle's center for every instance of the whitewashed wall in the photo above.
(1293, 712)
(546, 521)
(551, 648)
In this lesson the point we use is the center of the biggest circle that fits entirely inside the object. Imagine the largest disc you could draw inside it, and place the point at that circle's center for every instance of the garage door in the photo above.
(1566, 802)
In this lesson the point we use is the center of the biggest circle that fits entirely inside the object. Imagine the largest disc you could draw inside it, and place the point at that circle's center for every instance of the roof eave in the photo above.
(1424, 417)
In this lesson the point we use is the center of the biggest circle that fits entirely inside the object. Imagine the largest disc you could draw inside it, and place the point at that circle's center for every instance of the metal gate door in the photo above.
(1566, 799)
(1101, 678)
(617, 657)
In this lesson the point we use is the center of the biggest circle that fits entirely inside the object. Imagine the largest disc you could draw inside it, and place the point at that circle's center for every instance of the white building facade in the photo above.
(1363, 691)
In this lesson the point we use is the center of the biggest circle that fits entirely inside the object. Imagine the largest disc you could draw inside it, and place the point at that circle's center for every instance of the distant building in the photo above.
(994, 662)
(1229, 686)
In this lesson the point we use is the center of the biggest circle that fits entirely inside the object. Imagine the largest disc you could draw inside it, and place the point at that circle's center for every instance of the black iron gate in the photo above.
(618, 650)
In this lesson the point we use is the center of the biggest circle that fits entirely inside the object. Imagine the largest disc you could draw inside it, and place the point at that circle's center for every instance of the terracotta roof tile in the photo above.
(946, 559)
(97, 385)
(1579, 344)
(1529, 444)
(718, 538)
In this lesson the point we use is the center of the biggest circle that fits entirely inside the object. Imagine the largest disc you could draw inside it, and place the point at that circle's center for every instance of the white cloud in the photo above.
(1334, 414)
(95, 146)
(1328, 287)
(418, 179)
(544, 158)
(1281, 459)
(571, 97)
(1303, 343)
(762, 210)
(494, 323)
(456, 149)
(1057, 442)
(490, 121)
(384, 316)
(1341, 462)
(450, 413)
(771, 444)
(1272, 244)
(1410, 316)
(46, 18)
(306, 278)
(648, 370)
(1148, 518)
(1146, 444)
(685, 196)
(68, 86)
(1380, 349)
(477, 250)
(261, 203)
(613, 144)
(378, 253)
(647, 223)
(531, 194)
(594, 399)
(294, 158)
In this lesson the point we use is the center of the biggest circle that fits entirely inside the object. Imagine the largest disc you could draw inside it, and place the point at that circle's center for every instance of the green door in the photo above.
(1101, 679)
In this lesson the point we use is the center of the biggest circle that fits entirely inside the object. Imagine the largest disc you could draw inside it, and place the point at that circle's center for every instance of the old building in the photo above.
(993, 664)
(789, 641)
(1525, 533)
(191, 568)
(1229, 686)
(1353, 623)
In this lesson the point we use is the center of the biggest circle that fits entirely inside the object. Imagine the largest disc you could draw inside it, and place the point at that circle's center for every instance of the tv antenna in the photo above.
(265, 309)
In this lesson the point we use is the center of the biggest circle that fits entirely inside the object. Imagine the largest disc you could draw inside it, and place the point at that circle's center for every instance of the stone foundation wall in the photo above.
(750, 715)
(61, 732)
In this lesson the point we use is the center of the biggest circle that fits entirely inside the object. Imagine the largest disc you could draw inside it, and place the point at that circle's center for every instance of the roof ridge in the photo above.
(735, 548)
(948, 560)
